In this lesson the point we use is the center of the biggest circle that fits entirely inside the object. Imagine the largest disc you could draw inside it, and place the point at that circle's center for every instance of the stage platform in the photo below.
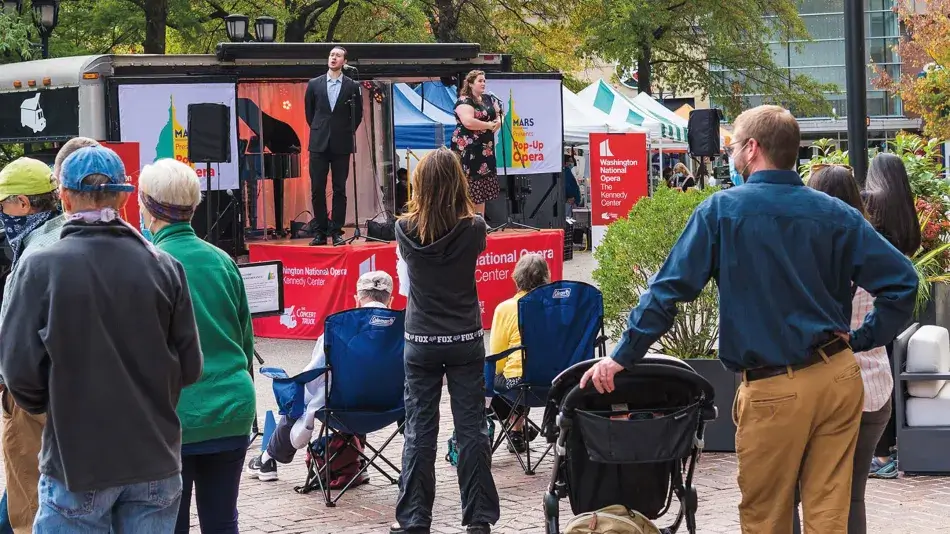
(319, 281)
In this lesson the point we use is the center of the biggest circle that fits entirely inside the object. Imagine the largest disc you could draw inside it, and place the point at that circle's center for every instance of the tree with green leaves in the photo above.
(713, 47)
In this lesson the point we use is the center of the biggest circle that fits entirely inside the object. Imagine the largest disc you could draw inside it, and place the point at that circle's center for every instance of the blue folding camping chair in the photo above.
(364, 349)
(561, 324)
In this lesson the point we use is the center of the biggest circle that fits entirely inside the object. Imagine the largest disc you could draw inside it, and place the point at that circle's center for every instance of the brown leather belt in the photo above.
(814, 356)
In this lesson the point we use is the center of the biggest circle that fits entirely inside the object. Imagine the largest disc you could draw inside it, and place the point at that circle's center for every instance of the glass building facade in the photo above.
(823, 58)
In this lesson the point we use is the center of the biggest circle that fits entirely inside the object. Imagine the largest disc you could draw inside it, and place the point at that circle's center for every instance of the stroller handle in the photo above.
(628, 377)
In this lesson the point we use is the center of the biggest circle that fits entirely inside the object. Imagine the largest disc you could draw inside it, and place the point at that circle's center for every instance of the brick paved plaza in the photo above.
(906, 505)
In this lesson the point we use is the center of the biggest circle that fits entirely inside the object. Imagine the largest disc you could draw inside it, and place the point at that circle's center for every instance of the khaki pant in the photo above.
(801, 424)
(22, 436)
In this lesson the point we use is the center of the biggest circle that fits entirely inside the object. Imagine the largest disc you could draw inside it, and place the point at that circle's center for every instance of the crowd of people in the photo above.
(162, 318)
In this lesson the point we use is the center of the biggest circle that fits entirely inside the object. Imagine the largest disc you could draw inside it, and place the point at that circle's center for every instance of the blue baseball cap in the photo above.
(94, 160)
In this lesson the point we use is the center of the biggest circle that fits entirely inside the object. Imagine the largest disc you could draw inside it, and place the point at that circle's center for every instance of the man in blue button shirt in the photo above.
(784, 258)
(334, 109)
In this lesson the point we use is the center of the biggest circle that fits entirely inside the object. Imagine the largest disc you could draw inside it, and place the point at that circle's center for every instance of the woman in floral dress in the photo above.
(477, 119)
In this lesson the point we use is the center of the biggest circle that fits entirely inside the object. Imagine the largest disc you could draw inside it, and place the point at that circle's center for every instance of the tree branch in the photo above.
(335, 21)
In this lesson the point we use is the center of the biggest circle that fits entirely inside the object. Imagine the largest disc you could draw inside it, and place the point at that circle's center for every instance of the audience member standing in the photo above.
(838, 181)
(100, 335)
(217, 411)
(784, 257)
(440, 239)
(32, 220)
(890, 207)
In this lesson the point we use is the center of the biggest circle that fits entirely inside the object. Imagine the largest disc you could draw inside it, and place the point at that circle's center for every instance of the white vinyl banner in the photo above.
(156, 116)
(531, 141)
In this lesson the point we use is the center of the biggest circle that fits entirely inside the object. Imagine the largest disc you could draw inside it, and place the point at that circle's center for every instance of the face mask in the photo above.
(734, 174)
(146, 233)
(18, 227)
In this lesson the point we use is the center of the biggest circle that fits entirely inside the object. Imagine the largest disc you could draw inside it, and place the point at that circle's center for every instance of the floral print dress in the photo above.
(476, 148)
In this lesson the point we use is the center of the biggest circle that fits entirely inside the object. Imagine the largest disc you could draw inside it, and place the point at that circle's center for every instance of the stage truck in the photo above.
(143, 105)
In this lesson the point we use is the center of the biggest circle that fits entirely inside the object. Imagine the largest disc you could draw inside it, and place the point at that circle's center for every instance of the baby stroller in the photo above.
(636, 446)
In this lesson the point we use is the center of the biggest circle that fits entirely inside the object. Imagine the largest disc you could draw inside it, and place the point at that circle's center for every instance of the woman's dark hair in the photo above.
(838, 181)
(890, 203)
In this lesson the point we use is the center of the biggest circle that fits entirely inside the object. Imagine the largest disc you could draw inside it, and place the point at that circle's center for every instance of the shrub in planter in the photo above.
(632, 251)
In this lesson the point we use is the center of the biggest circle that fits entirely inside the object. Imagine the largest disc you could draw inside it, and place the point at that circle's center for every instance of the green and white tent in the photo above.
(640, 112)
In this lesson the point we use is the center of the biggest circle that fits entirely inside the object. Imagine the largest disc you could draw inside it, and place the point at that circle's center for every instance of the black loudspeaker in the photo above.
(703, 133)
(209, 133)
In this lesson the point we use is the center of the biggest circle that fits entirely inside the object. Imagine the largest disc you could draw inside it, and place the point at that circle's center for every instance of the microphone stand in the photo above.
(356, 206)
(510, 223)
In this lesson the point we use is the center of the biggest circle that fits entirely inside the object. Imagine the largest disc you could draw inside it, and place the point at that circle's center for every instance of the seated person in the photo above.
(373, 290)
(530, 272)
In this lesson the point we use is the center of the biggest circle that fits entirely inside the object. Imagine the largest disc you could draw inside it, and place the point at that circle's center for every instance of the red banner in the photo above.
(618, 173)
(129, 154)
(319, 281)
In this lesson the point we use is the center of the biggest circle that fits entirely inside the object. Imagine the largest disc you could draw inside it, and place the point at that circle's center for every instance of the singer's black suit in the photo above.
(331, 143)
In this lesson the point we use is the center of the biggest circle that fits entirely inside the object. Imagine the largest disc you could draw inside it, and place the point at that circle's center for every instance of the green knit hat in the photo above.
(25, 176)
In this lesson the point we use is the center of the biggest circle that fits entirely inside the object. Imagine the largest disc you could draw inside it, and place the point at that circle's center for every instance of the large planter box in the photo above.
(721, 433)
(937, 311)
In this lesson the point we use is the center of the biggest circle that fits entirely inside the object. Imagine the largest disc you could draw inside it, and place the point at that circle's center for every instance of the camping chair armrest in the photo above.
(323, 370)
(503, 354)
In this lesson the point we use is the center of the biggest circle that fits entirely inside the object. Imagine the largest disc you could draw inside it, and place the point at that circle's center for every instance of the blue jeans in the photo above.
(5, 527)
(146, 507)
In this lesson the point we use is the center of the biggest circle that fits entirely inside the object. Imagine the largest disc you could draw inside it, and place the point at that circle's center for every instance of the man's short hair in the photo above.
(775, 130)
(66, 150)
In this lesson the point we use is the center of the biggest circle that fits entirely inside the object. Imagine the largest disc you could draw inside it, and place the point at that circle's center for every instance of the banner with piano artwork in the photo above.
(156, 117)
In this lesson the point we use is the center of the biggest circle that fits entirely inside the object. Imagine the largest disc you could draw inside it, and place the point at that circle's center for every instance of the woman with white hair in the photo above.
(217, 411)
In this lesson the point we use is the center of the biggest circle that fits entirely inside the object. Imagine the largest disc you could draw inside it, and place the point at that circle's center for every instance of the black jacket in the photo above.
(330, 130)
(100, 335)
(443, 299)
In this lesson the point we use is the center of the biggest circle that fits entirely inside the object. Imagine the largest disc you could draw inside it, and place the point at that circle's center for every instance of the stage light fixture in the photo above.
(265, 29)
(236, 27)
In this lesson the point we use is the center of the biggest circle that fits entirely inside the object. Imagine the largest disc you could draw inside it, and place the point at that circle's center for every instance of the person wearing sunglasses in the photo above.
(784, 258)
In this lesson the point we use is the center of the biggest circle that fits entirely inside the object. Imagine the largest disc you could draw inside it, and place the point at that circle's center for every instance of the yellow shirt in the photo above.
(505, 334)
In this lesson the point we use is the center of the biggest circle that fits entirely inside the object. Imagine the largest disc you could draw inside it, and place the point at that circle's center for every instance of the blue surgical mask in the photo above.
(734, 174)
(146, 233)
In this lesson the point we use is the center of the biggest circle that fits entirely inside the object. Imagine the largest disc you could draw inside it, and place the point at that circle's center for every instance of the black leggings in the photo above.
(216, 479)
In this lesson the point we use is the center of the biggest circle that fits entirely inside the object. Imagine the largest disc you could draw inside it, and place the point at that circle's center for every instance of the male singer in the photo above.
(329, 102)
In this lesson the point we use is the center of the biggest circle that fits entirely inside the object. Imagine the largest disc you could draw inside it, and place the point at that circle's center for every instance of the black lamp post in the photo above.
(12, 7)
(46, 17)
(265, 29)
(856, 86)
(236, 27)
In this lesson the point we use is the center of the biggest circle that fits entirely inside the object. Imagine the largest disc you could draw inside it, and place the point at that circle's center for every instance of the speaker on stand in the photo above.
(209, 141)
(703, 138)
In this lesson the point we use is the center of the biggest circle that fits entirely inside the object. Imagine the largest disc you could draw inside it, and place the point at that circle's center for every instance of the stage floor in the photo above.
(305, 241)
(321, 280)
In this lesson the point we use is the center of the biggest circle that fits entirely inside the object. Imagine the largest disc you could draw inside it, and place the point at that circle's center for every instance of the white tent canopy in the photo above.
(582, 119)
(676, 125)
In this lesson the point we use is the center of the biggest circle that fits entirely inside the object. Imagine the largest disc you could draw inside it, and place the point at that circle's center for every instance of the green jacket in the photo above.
(222, 403)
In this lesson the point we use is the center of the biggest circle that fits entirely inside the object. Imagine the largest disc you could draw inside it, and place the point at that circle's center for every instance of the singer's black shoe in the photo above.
(319, 239)
(338, 239)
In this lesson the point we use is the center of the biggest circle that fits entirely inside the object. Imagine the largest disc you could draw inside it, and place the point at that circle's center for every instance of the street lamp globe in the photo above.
(46, 13)
(12, 7)
(236, 27)
(265, 29)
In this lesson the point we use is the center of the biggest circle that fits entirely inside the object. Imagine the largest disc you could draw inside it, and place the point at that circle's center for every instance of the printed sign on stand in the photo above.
(618, 178)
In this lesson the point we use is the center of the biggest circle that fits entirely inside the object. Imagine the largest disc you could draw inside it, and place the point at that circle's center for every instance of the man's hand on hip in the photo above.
(602, 375)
